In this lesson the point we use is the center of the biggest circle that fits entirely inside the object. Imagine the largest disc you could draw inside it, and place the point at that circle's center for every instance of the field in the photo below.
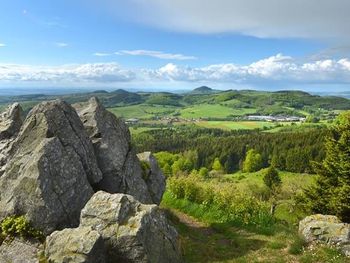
(213, 111)
(235, 125)
(142, 111)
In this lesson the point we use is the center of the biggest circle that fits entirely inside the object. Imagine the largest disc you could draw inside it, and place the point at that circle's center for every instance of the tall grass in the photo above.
(218, 204)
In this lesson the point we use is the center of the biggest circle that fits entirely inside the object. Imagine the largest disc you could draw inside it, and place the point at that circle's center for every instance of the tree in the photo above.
(217, 166)
(253, 161)
(271, 178)
(167, 170)
(273, 181)
(204, 172)
(331, 192)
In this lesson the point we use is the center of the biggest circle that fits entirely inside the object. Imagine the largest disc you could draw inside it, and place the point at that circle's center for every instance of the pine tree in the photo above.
(331, 193)
(272, 179)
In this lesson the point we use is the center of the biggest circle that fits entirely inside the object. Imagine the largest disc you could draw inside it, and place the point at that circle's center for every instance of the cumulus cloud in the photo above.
(279, 69)
(155, 54)
(2, 45)
(276, 69)
(97, 72)
(267, 18)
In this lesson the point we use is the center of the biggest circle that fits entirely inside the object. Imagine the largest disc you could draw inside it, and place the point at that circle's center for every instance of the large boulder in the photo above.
(75, 245)
(50, 170)
(132, 232)
(153, 176)
(326, 229)
(11, 121)
(116, 158)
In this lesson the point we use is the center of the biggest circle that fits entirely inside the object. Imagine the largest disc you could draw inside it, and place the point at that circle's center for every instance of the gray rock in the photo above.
(11, 121)
(75, 245)
(50, 166)
(19, 251)
(326, 229)
(153, 176)
(112, 144)
(132, 232)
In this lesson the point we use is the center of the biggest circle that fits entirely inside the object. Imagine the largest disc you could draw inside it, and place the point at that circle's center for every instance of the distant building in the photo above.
(275, 118)
(132, 121)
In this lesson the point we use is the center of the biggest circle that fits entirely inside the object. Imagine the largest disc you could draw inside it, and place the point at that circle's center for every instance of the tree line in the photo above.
(287, 151)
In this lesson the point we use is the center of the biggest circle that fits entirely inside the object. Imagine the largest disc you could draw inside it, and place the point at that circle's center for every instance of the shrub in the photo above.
(19, 226)
(145, 166)
(238, 208)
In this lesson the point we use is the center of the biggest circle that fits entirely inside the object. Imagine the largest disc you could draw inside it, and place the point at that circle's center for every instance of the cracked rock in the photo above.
(117, 160)
(50, 170)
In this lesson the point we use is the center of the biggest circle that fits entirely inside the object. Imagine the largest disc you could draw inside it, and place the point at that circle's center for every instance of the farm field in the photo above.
(213, 111)
(142, 111)
(235, 125)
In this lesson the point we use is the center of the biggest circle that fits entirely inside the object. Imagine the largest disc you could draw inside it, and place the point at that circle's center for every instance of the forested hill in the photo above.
(265, 102)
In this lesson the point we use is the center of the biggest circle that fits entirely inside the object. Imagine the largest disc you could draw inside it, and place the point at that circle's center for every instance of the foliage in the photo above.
(217, 166)
(330, 194)
(145, 166)
(204, 172)
(253, 161)
(19, 226)
(271, 178)
(287, 151)
(235, 207)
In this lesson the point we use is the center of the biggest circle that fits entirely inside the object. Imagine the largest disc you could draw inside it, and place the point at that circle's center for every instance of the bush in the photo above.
(238, 208)
(19, 226)
(271, 178)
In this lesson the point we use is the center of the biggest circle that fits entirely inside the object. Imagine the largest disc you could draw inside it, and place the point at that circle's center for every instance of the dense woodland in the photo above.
(288, 151)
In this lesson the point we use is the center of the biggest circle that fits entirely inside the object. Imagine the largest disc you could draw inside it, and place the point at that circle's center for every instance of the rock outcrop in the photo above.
(132, 232)
(153, 176)
(122, 171)
(75, 245)
(326, 229)
(50, 170)
(11, 121)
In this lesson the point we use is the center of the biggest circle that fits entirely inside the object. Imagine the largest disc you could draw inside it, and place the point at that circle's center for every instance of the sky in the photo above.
(175, 44)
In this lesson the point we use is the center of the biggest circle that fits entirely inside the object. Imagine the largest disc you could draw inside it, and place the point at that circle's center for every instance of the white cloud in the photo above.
(278, 70)
(2, 45)
(102, 54)
(155, 54)
(97, 72)
(260, 18)
(61, 44)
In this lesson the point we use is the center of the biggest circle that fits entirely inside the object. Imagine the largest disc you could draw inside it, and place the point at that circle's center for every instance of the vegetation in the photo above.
(330, 194)
(253, 161)
(18, 226)
(287, 151)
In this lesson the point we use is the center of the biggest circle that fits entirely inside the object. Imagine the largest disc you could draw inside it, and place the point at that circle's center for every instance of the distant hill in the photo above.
(236, 101)
(203, 90)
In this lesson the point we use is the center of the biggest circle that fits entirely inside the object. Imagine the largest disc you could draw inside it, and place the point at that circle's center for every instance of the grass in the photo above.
(208, 235)
(213, 111)
(138, 130)
(236, 125)
(143, 111)
(204, 238)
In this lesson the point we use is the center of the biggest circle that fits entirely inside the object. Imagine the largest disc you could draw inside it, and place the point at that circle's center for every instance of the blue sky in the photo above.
(177, 44)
